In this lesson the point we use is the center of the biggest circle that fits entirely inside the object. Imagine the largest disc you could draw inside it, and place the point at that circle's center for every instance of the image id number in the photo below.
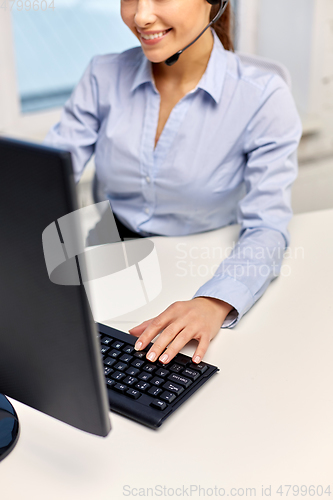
(19, 5)
(303, 490)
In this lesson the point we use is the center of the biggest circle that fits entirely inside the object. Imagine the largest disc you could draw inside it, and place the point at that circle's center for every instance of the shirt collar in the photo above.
(213, 78)
(211, 81)
(143, 74)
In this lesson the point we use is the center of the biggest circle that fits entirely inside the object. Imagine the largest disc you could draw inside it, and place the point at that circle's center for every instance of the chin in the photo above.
(154, 58)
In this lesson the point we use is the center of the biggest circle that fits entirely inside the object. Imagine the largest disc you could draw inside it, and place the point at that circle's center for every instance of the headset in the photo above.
(172, 59)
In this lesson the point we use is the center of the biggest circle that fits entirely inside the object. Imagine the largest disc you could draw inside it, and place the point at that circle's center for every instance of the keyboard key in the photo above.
(176, 368)
(120, 388)
(157, 381)
(109, 361)
(154, 391)
(168, 396)
(114, 353)
(162, 372)
(128, 349)
(180, 379)
(142, 386)
(120, 366)
(107, 370)
(107, 341)
(181, 359)
(110, 382)
(160, 405)
(117, 344)
(118, 375)
(200, 367)
(149, 368)
(104, 349)
(140, 354)
(132, 393)
(137, 363)
(170, 386)
(132, 371)
(190, 373)
(159, 364)
(126, 358)
(145, 376)
(130, 380)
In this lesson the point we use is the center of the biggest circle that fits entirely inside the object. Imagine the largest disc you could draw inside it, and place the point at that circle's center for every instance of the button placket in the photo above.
(170, 130)
(147, 147)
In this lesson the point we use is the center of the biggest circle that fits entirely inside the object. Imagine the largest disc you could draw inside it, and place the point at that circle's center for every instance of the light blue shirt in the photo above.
(227, 155)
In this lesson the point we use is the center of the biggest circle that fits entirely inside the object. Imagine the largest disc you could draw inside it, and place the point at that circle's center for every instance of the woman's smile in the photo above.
(151, 21)
(153, 37)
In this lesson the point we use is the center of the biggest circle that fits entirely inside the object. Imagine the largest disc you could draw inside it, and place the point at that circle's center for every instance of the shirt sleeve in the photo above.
(77, 130)
(270, 148)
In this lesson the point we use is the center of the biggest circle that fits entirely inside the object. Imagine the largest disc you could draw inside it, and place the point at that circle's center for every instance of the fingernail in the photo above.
(197, 359)
(151, 356)
(164, 358)
(138, 346)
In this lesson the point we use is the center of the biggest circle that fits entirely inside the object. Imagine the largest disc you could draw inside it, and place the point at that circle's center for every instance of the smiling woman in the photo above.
(186, 148)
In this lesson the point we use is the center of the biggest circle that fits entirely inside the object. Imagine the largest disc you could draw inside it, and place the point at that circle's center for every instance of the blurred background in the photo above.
(45, 45)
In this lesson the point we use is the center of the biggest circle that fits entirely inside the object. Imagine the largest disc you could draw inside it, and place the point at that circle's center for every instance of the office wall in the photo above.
(320, 144)
(247, 26)
(298, 33)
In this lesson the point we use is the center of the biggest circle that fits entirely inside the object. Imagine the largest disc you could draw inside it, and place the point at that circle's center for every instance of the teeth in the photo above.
(156, 35)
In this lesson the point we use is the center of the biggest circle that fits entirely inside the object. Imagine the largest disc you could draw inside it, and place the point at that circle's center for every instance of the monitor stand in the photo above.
(9, 427)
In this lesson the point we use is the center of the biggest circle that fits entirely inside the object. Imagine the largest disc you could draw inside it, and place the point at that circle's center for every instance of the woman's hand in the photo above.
(199, 318)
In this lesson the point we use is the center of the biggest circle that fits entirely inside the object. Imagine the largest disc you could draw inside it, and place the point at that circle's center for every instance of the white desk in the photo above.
(264, 419)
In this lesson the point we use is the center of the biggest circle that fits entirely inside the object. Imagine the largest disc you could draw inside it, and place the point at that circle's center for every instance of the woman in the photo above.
(188, 148)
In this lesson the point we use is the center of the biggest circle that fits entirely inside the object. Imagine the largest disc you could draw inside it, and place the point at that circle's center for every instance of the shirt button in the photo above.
(148, 179)
(147, 210)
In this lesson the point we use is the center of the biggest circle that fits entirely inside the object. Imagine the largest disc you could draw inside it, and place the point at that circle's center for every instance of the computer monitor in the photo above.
(49, 349)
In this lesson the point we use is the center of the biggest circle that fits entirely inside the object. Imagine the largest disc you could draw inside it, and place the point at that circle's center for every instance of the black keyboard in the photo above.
(144, 391)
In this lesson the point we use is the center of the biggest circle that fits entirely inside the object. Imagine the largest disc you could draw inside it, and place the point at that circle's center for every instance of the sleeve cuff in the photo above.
(231, 291)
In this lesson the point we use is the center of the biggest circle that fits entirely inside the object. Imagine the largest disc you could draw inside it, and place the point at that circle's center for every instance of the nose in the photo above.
(144, 13)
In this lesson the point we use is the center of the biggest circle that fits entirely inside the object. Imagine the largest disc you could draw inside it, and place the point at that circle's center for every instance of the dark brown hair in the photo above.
(224, 26)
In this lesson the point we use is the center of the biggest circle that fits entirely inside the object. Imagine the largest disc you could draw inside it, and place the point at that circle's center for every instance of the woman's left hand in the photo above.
(199, 318)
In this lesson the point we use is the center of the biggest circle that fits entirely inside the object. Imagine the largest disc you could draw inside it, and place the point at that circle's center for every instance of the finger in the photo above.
(177, 344)
(141, 324)
(138, 329)
(164, 339)
(154, 328)
(201, 349)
